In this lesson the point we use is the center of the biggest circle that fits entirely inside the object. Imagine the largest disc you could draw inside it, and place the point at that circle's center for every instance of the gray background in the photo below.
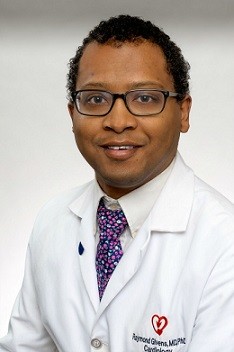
(38, 155)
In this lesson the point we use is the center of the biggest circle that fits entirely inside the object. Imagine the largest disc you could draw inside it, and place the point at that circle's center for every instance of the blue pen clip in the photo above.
(80, 249)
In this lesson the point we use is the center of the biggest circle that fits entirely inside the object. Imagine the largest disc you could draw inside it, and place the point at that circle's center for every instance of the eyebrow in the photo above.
(95, 85)
(149, 84)
(132, 85)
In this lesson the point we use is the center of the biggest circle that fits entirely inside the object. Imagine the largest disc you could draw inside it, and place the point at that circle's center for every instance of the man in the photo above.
(141, 258)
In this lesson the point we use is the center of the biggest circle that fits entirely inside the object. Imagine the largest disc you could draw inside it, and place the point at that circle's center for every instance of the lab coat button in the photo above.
(96, 343)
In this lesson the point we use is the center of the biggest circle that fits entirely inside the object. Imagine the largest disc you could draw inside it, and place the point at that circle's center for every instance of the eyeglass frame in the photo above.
(115, 96)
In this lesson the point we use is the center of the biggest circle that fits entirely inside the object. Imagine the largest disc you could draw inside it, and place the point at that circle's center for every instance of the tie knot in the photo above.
(112, 222)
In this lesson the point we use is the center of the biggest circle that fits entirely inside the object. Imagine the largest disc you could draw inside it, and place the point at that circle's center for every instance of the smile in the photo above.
(121, 147)
(121, 152)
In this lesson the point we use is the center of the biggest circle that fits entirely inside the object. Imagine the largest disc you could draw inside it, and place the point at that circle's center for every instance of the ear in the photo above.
(71, 107)
(185, 106)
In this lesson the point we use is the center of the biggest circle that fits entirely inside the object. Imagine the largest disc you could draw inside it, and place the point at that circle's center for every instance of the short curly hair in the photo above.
(126, 28)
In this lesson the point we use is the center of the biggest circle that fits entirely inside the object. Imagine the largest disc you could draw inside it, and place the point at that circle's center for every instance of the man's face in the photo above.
(151, 141)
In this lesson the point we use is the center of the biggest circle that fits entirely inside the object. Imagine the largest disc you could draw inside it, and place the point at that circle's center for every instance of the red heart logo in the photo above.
(159, 323)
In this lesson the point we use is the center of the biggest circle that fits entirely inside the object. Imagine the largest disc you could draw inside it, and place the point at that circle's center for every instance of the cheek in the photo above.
(81, 129)
(79, 136)
(162, 130)
(85, 132)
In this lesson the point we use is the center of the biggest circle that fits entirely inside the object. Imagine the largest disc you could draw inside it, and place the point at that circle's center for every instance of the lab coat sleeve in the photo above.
(26, 331)
(214, 326)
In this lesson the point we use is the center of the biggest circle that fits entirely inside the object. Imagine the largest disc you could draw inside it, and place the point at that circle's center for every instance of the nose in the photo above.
(119, 118)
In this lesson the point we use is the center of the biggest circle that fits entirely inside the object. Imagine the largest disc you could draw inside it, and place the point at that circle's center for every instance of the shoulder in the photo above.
(203, 195)
(207, 209)
(64, 199)
(59, 206)
(213, 214)
(211, 198)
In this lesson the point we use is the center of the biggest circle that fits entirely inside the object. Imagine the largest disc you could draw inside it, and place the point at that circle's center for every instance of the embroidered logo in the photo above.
(159, 323)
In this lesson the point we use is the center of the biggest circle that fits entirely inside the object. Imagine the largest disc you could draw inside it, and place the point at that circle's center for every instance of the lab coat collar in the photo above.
(172, 210)
(80, 205)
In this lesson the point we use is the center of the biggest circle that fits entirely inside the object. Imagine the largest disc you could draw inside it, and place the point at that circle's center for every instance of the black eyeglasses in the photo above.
(139, 102)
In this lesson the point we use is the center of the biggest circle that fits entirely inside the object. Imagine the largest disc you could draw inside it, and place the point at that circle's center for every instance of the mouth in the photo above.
(120, 147)
(117, 151)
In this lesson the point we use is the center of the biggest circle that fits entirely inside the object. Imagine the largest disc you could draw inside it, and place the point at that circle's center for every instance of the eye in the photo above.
(147, 97)
(94, 98)
(144, 98)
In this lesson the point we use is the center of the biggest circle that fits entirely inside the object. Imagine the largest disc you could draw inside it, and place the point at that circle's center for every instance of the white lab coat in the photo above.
(173, 290)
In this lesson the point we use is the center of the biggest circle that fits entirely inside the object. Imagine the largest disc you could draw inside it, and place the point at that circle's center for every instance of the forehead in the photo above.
(123, 66)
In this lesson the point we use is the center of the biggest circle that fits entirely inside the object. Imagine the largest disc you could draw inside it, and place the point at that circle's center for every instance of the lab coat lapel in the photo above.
(84, 208)
(126, 268)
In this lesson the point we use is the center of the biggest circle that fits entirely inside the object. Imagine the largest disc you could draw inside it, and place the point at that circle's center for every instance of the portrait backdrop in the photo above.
(39, 158)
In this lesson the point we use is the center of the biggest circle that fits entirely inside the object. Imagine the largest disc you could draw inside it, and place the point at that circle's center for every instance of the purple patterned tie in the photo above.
(112, 224)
